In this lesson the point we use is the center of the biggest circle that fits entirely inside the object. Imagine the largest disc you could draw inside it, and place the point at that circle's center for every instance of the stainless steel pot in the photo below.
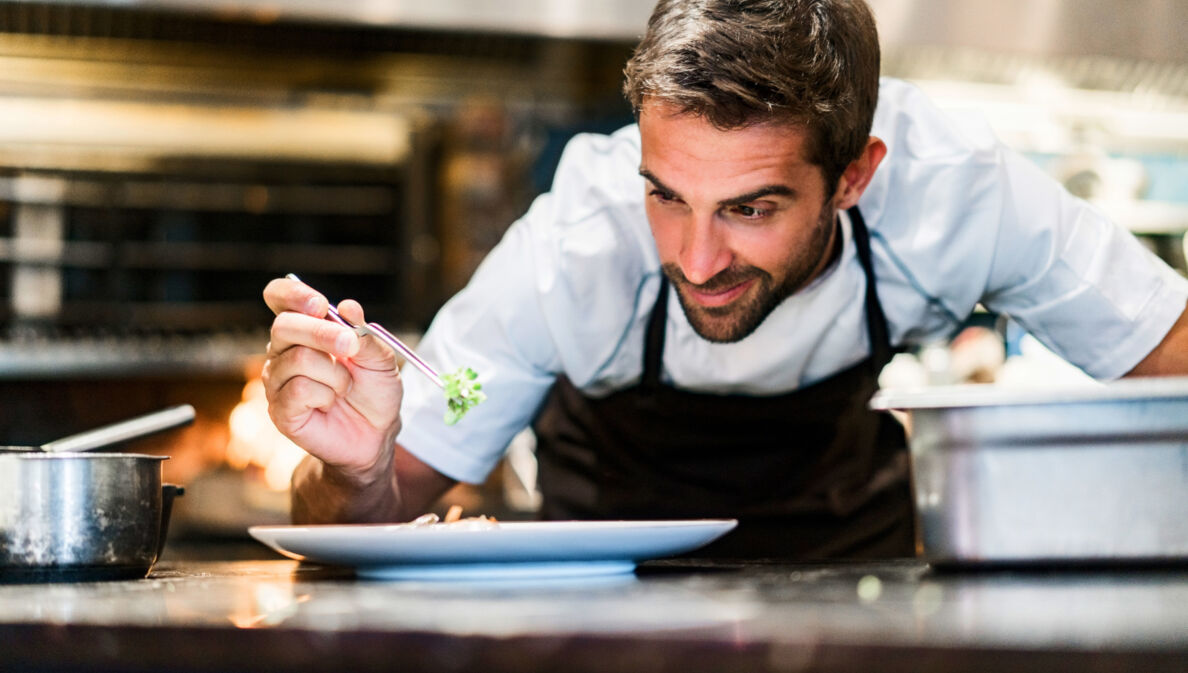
(1095, 474)
(67, 516)
(81, 516)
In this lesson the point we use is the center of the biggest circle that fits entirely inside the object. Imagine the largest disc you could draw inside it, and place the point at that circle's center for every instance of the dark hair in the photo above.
(742, 62)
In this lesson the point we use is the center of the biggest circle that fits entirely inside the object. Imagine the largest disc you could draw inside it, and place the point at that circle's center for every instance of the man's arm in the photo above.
(399, 489)
(338, 396)
(1170, 357)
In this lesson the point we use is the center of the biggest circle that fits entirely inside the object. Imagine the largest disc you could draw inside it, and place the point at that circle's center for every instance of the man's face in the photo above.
(740, 218)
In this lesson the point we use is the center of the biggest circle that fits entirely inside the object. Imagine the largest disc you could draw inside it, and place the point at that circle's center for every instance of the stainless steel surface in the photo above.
(584, 19)
(1172, 389)
(1084, 88)
(1147, 29)
(49, 132)
(1137, 28)
(58, 356)
(1099, 475)
(81, 516)
(132, 428)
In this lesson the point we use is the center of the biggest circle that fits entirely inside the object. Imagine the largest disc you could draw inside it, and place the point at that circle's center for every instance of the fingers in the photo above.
(372, 353)
(322, 381)
(293, 405)
(283, 294)
(306, 363)
(299, 380)
(291, 329)
(287, 296)
(351, 311)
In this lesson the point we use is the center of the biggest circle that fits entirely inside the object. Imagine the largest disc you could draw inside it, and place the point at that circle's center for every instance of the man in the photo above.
(801, 247)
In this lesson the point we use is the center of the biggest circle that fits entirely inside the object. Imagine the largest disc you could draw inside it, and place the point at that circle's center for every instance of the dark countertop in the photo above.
(669, 616)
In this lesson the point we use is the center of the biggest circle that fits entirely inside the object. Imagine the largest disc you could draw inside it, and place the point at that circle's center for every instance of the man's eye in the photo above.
(663, 197)
(750, 211)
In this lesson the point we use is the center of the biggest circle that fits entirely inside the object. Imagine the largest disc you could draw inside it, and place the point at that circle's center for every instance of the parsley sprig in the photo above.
(463, 392)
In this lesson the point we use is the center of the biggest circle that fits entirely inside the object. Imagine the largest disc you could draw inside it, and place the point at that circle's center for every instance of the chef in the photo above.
(694, 318)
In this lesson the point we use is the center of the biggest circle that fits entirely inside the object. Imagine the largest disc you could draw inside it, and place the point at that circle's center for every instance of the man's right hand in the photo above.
(335, 394)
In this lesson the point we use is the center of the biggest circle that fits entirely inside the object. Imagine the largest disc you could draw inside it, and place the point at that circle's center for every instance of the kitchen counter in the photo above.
(669, 616)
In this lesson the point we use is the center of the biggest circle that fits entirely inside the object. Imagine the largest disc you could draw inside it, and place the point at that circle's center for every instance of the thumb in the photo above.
(372, 353)
(351, 311)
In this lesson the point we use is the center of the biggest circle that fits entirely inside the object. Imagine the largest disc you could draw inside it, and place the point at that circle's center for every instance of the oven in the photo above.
(160, 164)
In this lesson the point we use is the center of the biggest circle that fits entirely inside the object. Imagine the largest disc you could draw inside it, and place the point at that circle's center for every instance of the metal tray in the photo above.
(1093, 474)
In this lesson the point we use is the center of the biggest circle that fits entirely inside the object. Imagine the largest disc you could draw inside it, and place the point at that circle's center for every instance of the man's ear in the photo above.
(858, 174)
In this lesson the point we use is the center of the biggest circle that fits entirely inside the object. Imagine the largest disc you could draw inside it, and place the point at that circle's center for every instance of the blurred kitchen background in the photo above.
(160, 161)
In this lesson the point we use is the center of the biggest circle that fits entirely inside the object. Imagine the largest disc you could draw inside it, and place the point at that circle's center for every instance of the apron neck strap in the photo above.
(654, 338)
(876, 321)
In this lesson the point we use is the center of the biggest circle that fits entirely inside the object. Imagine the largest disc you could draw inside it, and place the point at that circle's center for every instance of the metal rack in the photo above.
(146, 201)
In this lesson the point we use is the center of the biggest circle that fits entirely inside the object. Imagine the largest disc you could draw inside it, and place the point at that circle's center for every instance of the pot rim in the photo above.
(37, 454)
(1148, 389)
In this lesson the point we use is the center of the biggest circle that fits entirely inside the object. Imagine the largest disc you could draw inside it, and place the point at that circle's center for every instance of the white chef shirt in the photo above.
(955, 219)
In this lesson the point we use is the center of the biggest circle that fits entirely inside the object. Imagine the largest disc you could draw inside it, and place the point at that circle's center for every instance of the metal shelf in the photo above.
(577, 19)
(211, 354)
(192, 256)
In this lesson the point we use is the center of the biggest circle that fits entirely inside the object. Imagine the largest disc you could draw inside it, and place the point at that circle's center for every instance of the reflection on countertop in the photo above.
(670, 615)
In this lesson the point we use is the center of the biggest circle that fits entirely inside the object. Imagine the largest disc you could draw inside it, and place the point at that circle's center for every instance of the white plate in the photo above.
(511, 550)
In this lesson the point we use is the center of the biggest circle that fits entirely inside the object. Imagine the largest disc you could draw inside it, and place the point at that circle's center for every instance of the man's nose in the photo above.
(704, 250)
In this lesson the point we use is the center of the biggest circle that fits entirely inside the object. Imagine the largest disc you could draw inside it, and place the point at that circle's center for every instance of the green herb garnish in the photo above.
(463, 392)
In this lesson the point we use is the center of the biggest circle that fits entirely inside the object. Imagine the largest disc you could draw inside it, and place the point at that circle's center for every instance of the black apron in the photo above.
(810, 474)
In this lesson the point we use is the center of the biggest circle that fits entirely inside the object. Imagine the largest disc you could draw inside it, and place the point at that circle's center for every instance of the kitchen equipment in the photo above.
(1093, 474)
(107, 435)
(378, 331)
(68, 516)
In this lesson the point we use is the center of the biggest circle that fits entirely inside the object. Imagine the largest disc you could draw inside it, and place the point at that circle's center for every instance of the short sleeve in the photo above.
(495, 327)
(960, 219)
(1080, 283)
(556, 295)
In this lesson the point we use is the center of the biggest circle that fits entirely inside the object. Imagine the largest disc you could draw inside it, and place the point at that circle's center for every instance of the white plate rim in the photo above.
(615, 524)
(398, 545)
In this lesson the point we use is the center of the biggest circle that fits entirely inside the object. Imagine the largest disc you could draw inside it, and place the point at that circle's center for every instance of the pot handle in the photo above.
(132, 428)
(168, 493)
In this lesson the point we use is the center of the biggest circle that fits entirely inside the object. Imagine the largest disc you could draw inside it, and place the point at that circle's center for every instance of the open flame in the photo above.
(255, 441)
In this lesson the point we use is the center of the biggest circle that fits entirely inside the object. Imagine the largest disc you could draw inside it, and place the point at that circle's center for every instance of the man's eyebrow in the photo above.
(655, 181)
(766, 190)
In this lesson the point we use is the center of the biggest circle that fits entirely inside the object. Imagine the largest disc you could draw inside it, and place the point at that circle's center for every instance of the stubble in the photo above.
(737, 320)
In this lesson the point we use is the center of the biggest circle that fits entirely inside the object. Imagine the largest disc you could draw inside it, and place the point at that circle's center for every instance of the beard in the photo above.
(738, 319)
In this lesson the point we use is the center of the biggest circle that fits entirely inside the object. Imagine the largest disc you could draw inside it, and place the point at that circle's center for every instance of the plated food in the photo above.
(453, 519)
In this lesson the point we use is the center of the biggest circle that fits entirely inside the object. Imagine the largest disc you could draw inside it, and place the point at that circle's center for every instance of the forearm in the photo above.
(1170, 357)
(400, 488)
(323, 494)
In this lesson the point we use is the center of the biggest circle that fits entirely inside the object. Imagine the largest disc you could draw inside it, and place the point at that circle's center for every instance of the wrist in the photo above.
(326, 493)
(360, 477)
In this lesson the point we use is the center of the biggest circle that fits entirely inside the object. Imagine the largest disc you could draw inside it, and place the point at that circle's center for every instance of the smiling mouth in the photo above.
(715, 298)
